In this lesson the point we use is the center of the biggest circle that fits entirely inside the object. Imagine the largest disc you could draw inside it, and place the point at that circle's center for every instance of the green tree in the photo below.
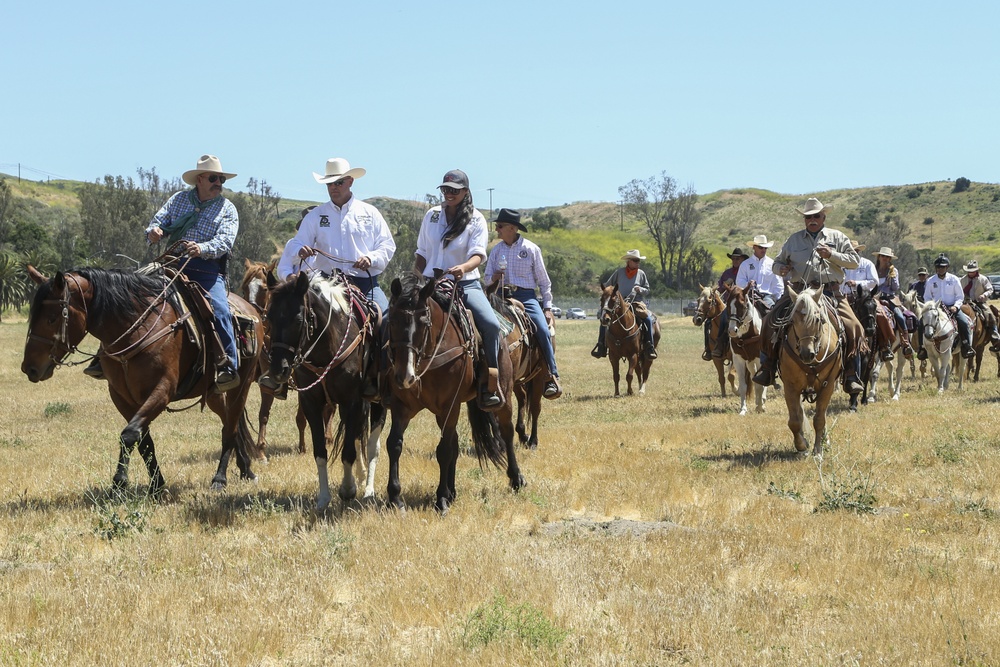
(962, 184)
(113, 215)
(258, 211)
(13, 284)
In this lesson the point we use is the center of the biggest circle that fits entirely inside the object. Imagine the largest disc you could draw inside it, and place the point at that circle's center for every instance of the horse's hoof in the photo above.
(442, 506)
(218, 485)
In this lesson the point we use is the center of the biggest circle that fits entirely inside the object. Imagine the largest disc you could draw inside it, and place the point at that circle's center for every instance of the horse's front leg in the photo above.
(616, 374)
(312, 409)
(630, 374)
(522, 391)
(394, 447)
(819, 419)
(376, 421)
(720, 370)
(263, 415)
(355, 420)
(136, 431)
(504, 417)
(793, 399)
(447, 458)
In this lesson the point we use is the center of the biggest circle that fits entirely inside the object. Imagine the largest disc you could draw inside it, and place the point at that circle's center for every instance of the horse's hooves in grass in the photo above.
(218, 486)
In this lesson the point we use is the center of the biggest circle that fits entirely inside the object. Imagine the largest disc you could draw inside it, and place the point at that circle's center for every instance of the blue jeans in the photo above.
(206, 273)
(533, 309)
(964, 326)
(486, 321)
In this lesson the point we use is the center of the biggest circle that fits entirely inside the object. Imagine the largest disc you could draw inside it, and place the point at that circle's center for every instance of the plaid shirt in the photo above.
(215, 231)
(525, 267)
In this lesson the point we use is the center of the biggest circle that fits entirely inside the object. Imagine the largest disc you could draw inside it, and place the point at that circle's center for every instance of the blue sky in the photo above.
(544, 102)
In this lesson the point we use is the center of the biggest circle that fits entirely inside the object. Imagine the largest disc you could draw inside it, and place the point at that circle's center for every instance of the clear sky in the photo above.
(544, 102)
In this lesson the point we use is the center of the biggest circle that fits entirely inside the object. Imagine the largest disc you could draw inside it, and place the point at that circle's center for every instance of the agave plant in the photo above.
(13, 282)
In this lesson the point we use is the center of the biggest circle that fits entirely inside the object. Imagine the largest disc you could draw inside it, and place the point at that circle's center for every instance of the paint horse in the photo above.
(709, 309)
(745, 326)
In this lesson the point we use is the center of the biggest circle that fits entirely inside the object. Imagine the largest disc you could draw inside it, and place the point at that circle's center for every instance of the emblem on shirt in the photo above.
(753, 268)
(435, 216)
(324, 221)
(523, 254)
(364, 219)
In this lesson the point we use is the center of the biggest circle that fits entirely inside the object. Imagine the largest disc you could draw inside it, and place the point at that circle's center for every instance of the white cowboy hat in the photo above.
(207, 164)
(971, 267)
(633, 254)
(336, 169)
(885, 250)
(813, 206)
(857, 246)
(761, 241)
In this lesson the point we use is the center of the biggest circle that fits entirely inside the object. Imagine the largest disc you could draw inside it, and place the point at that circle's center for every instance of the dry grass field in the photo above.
(654, 530)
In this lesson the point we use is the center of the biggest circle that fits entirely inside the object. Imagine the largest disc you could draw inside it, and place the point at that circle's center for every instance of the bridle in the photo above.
(421, 316)
(61, 338)
(616, 315)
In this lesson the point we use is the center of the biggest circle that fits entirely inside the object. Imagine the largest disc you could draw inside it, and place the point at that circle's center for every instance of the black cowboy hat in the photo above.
(737, 252)
(508, 216)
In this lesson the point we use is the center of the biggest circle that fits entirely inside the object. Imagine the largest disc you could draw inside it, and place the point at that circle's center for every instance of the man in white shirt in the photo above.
(978, 290)
(758, 271)
(946, 288)
(864, 275)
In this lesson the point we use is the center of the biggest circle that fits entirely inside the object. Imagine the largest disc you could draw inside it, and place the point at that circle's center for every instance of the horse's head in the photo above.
(301, 312)
(609, 304)
(254, 286)
(933, 319)
(709, 305)
(865, 307)
(814, 333)
(410, 325)
(57, 322)
(741, 312)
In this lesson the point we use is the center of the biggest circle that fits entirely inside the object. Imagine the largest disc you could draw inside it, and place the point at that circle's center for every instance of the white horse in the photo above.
(940, 334)
(895, 369)
(745, 325)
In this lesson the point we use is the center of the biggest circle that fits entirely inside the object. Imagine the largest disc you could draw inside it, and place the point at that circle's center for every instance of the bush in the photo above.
(961, 184)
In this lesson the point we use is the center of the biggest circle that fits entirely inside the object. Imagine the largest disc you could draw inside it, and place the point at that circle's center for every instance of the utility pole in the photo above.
(621, 212)
(491, 201)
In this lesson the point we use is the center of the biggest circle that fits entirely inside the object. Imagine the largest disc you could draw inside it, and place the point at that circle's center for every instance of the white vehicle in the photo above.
(576, 314)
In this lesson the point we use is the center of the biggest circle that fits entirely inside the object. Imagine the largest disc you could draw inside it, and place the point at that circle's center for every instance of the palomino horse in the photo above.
(940, 336)
(623, 338)
(745, 326)
(138, 320)
(710, 308)
(530, 369)
(433, 368)
(320, 331)
(810, 363)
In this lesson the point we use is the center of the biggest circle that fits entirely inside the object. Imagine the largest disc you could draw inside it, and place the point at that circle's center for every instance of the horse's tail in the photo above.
(359, 416)
(246, 441)
(486, 435)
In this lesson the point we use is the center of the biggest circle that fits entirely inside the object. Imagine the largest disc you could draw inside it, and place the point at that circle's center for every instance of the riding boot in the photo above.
(904, 341)
(994, 339)
(921, 352)
(94, 368)
(768, 364)
(226, 377)
(369, 383)
(721, 343)
(852, 373)
(647, 339)
(967, 350)
(601, 349)
(707, 354)
(886, 353)
(552, 390)
(489, 391)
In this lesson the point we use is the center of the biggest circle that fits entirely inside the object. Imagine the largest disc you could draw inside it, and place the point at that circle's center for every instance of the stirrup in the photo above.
(552, 390)
(706, 356)
(94, 369)
(599, 351)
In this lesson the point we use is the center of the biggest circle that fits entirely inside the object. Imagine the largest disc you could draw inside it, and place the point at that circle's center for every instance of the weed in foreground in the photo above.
(498, 621)
(781, 492)
(847, 488)
(57, 408)
(121, 516)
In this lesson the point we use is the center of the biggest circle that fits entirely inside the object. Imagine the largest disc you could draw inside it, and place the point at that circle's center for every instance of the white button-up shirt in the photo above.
(761, 272)
(430, 244)
(864, 276)
(947, 290)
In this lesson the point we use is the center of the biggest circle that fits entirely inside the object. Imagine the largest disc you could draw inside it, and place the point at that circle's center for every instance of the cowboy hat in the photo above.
(857, 246)
(207, 164)
(508, 216)
(760, 240)
(885, 250)
(813, 206)
(971, 267)
(633, 254)
(336, 169)
(738, 252)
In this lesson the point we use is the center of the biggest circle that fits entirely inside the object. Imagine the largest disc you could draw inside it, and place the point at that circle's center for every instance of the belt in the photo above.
(517, 287)
(799, 285)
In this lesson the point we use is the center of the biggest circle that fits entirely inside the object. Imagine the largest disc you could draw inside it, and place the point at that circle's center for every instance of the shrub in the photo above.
(497, 621)
(961, 184)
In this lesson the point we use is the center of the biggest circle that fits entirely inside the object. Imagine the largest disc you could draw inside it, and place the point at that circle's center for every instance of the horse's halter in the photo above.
(421, 316)
(61, 338)
(706, 307)
(608, 312)
(736, 324)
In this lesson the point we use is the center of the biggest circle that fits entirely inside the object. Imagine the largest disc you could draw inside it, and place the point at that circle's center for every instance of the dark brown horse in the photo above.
(432, 367)
(320, 334)
(710, 308)
(139, 328)
(623, 338)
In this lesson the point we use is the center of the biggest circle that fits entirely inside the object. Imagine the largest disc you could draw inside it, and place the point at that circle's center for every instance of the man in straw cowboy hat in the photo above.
(204, 224)
(978, 290)
(812, 257)
(758, 271)
(632, 282)
(947, 288)
(348, 234)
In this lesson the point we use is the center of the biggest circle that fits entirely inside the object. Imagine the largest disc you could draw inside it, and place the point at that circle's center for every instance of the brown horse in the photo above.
(623, 338)
(320, 332)
(140, 327)
(745, 325)
(810, 363)
(432, 368)
(709, 309)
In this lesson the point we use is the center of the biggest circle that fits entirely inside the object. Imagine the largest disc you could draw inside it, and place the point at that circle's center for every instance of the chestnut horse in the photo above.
(432, 368)
(140, 327)
(320, 334)
(709, 309)
(745, 326)
(810, 364)
(623, 338)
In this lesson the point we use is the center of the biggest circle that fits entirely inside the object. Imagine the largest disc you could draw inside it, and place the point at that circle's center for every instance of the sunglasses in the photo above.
(337, 184)
(814, 216)
(216, 178)
(445, 189)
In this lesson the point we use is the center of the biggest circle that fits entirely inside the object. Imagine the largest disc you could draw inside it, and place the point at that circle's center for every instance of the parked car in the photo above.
(995, 281)
(556, 311)
(691, 309)
(576, 314)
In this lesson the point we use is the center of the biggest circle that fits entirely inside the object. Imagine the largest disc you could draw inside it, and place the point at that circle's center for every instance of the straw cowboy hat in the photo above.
(885, 250)
(336, 169)
(813, 206)
(857, 246)
(971, 267)
(207, 164)
(761, 241)
(738, 252)
(633, 254)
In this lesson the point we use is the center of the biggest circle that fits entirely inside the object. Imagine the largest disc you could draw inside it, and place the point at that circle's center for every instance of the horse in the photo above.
(940, 336)
(874, 318)
(980, 337)
(709, 309)
(320, 333)
(810, 363)
(432, 367)
(623, 337)
(139, 321)
(528, 363)
(258, 279)
(745, 326)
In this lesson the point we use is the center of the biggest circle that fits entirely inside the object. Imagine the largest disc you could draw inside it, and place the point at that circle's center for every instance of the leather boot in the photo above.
(94, 369)
(852, 385)
(226, 377)
(765, 375)
(904, 339)
(489, 394)
(600, 350)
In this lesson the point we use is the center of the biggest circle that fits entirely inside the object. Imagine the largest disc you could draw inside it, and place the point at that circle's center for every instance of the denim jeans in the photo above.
(486, 321)
(206, 273)
(533, 309)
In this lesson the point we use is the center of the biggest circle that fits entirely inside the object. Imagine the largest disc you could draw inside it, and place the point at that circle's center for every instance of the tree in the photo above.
(6, 222)
(403, 219)
(961, 184)
(258, 211)
(113, 215)
(670, 217)
(13, 282)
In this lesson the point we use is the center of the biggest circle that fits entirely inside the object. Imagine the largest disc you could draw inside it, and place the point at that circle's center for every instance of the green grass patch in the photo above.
(499, 621)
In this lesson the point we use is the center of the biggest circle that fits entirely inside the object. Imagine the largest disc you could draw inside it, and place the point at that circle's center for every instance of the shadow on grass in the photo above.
(755, 459)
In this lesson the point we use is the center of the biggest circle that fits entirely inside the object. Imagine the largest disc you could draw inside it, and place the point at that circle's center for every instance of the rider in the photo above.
(864, 275)
(946, 288)
(519, 262)
(888, 281)
(725, 286)
(758, 272)
(344, 233)
(632, 283)
(918, 285)
(977, 289)
(814, 256)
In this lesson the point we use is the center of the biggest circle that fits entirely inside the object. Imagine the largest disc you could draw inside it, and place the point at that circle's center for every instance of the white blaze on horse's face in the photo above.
(254, 289)
(704, 299)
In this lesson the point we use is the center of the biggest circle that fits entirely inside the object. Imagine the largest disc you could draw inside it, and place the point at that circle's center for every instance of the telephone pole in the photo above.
(491, 201)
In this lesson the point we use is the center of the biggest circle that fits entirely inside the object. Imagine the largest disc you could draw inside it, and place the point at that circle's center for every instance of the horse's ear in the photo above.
(817, 295)
(36, 275)
(58, 281)
(874, 290)
(272, 265)
(272, 280)
(247, 263)
(792, 294)
(428, 289)
(396, 288)
(701, 287)
(302, 283)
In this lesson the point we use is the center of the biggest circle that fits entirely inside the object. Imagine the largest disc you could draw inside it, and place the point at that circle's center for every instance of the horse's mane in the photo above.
(807, 305)
(409, 294)
(331, 290)
(116, 292)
